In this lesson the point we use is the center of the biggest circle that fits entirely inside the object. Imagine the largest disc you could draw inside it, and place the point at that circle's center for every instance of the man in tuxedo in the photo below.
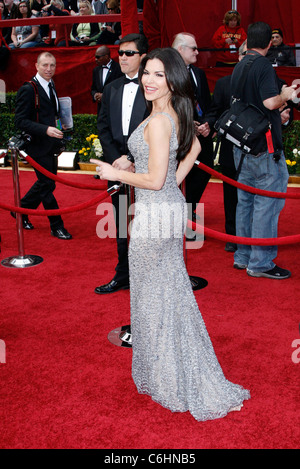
(123, 108)
(106, 71)
(37, 114)
(197, 179)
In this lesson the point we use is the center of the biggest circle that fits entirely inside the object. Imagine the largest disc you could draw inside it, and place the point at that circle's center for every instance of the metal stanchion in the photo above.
(22, 260)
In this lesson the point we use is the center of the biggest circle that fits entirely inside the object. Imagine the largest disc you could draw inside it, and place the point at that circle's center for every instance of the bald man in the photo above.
(107, 70)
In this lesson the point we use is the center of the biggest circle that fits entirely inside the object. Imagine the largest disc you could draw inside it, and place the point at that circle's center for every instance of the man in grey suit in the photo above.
(123, 108)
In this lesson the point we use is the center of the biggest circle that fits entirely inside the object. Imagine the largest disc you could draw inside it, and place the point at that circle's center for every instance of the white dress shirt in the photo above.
(129, 94)
(45, 84)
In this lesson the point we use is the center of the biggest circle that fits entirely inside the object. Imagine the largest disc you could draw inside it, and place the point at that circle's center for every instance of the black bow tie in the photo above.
(105, 66)
(134, 80)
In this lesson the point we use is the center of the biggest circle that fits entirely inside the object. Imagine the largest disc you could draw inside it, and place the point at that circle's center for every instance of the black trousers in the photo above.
(197, 179)
(119, 201)
(230, 200)
(42, 191)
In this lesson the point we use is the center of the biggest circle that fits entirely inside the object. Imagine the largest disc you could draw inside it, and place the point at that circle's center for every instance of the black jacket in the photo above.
(35, 121)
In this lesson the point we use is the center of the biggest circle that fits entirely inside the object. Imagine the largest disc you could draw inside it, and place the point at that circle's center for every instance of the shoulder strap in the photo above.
(36, 97)
(242, 80)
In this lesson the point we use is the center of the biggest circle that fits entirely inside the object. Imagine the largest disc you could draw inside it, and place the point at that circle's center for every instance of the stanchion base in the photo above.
(198, 282)
(22, 262)
(121, 337)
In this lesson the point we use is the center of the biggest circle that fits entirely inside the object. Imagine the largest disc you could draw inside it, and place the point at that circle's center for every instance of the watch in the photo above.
(130, 157)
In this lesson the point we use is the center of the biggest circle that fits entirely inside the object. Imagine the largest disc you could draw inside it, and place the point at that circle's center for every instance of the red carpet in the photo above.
(64, 385)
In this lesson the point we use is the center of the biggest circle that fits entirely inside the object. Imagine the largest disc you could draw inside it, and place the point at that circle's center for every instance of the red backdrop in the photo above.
(165, 18)
(162, 20)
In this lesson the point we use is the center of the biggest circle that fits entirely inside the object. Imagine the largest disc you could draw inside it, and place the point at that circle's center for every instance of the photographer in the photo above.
(37, 114)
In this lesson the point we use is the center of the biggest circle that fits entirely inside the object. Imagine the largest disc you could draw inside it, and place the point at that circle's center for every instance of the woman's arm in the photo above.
(157, 135)
(14, 36)
(188, 162)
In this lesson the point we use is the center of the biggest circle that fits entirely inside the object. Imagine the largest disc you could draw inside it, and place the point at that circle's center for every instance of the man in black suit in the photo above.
(107, 70)
(123, 108)
(37, 114)
(197, 179)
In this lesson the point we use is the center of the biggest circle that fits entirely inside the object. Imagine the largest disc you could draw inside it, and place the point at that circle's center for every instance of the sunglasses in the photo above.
(192, 48)
(128, 53)
(100, 56)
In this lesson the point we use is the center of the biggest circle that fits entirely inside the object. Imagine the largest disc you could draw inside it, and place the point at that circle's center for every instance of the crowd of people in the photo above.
(78, 34)
(226, 40)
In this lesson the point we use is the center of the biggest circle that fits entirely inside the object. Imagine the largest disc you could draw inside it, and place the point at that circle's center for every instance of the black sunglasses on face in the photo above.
(128, 53)
(100, 56)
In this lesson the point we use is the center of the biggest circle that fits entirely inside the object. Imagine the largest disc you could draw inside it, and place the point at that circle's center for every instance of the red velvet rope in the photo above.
(278, 195)
(240, 240)
(48, 213)
(207, 231)
(78, 185)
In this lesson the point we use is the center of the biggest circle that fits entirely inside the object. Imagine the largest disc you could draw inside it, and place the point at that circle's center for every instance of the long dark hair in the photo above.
(28, 9)
(182, 96)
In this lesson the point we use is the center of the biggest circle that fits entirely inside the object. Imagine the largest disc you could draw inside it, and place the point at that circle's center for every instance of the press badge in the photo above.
(58, 124)
(53, 34)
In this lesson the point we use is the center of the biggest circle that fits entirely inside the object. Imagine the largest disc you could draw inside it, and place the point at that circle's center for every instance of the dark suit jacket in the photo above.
(109, 122)
(220, 103)
(202, 95)
(35, 122)
(97, 84)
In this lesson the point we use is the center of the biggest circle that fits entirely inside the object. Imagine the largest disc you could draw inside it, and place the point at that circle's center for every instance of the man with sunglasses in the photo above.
(123, 108)
(106, 71)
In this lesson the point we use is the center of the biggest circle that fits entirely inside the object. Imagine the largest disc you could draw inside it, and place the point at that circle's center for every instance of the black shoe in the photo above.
(112, 287)
(27, 225)
(61, 233)
(230, 247)
(277, 273)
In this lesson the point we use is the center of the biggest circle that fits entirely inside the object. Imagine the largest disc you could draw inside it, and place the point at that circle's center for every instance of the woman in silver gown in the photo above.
(173, 358)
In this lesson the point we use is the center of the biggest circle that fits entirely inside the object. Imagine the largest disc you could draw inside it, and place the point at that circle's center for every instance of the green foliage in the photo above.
(9, 105)
(7, 128)
(84, 125)
(291, 141)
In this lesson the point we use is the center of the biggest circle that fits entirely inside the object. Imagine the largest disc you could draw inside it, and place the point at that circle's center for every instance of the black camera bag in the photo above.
(243, 124)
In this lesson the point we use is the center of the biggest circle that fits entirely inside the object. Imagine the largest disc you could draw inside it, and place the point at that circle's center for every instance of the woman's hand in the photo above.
(105, 170)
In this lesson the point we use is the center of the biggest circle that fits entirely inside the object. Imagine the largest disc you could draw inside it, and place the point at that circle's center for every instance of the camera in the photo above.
(20, 141)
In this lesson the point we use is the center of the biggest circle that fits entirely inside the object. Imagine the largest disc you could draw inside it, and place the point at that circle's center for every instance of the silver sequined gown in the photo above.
(173, 358)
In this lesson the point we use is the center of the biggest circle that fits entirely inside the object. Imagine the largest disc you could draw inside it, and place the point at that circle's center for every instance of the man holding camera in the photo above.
(256, 215)
(37, 114)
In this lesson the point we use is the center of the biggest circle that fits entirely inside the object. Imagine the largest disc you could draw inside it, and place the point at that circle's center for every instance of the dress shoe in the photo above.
(27, 225)
(112, 287)
(61, 233)
(230, 247)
